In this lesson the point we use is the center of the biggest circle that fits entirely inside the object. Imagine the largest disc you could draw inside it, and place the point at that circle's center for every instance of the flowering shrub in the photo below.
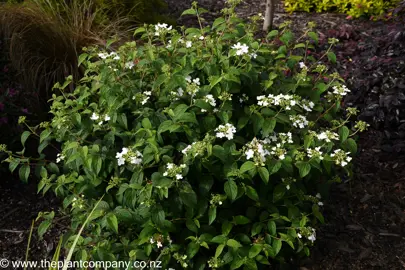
(211, 148)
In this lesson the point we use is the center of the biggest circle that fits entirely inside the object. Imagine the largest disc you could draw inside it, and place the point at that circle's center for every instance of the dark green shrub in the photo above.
(208, 147)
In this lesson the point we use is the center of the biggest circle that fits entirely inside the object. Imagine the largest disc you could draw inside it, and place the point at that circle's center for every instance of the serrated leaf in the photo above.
(247, 166)
(190, 11)
(255, 250)
(24, 137)
(231, 189)
(343, 133)
(251, 193)
(219, 250)
(304, 168)
(44, 135)
(212, 215)
(24, 172)
(233, 243)
(112, 222)
(272, 227)
(264, 174)
(277, 243)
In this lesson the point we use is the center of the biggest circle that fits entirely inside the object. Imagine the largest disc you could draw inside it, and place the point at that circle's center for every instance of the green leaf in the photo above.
(219, 239)
(255, 250)
(332, 57)
(146, 123)
(112, 222)
(317, 214)
(277, 245)
(304, 168)
(24, 172)
(191, 226)
(247, 166)
(272, 33)
(231, 189)
(268, 126)
(226, 227)
(278, 193)
(241, 220)
(188, 196)
(192, 249)
(343, 133)
(139, 30)
(44, 135)
(219, 250)
(256, 228)
(251, 193)
(212, 215)
(190, 11)
(314, 36)
(43, 227)
(24, 137)
(13, 165)
(351, 145)
(237, 263)
(233, 243)
(271, 226)
(264, 174)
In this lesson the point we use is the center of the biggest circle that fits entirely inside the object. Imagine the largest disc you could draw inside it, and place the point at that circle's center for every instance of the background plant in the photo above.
(211, 148)
(355, 9)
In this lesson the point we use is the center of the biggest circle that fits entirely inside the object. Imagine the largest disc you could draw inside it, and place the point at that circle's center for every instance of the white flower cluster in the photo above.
(243, 98)
(161, 28)
(78, 202)
(285, 101)
(59, 157)
(318, 196)
(114, 55)
(299, 121)
(340, 90)
(341, 157)
(143, 97)
(241, 49)
(134, 158)
(327, 136)
(96, 117)
(283, 138)
(278, 151)
(311, 234)
(176, 95)
(159, 241)
(172, 170)
(302, 65)
(197, 148)
(129, 65)
(315, 153)
(226, 130)
(193, 85)
(257, 151)
(211, 100)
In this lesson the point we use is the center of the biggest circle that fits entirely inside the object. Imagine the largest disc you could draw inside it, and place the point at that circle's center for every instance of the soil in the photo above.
(365, 216)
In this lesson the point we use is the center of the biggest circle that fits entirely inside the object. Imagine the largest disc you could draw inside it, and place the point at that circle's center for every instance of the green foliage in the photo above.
(353, 8)
(210, 147)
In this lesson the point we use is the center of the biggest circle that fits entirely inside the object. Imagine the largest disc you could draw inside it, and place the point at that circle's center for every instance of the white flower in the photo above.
(103, 55)
(151, 240)
(210, 99)
(94, 116)
(288, 187)
(189, 44)
(169, 45)
(147, 93)
(201, 37)
(315, 153)
(312, 237)
(220, 203)
(299, 121)
(241, 49)
(161, 28)
(249, 154)
(185, 150)
(107, 118)
(145, 100)
(318, 195)
(302, 65)
(59, 157)
(188, 79)
(179, 176)
(159, 244)
(226, 130)
(129, 65)
(196, 81)
(340, 90)
(253, 55)
(117, 57)
(320, 203)
(341, 158)
(100, 123)
(327, 136)
(121, 161)
(299, 235)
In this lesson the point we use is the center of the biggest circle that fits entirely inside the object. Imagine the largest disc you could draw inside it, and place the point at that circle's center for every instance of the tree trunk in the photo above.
(268, 18)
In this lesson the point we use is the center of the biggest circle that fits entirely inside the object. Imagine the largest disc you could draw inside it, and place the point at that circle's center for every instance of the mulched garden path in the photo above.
(365, 217)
